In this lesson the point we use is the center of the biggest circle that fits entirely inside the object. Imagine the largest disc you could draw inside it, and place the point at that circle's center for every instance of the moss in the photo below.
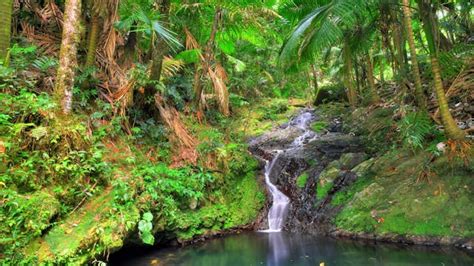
(86, 233)
(319, 126)
(301, 180)
(25, 217)
(394, 200)
(322, 191)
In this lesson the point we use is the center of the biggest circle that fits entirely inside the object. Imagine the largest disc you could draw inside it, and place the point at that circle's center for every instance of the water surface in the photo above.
(283, 248)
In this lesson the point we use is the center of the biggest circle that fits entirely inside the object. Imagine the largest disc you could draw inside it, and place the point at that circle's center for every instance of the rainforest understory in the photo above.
(143, 123)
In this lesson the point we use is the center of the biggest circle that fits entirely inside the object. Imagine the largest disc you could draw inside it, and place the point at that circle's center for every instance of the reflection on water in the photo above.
(276, 249)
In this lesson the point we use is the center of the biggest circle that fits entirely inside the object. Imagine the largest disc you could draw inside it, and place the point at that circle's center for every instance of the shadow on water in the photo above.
(278, 249)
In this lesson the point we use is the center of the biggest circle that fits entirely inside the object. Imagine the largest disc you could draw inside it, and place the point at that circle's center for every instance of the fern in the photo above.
(45, 63)
(414, 129)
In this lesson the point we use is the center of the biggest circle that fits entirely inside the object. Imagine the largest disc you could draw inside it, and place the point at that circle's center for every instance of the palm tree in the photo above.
(420, 97)
(161, 49)
(229, 20)
(6, 8)
(374, 97)
(452, 131)
(349, 23)
(68, 55)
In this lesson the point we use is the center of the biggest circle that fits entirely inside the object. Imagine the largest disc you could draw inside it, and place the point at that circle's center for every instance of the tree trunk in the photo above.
(348, 78)
(93, 38)
(68, 55)
(161, 48)
(374, 97)
(451, 129)
(215, 71)
(6, 9)
(208, 56)
(420, 97)
(315, 82)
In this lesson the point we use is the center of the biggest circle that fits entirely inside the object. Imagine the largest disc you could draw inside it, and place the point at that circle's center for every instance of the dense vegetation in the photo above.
(129, 119)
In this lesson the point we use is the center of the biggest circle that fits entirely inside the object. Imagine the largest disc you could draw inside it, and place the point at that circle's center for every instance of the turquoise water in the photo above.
(276, 249)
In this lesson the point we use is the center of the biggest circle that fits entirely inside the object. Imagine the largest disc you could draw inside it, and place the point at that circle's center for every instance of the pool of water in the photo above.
(292, 249)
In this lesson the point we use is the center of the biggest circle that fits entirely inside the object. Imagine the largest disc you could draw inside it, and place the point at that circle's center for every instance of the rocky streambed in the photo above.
(336, 189)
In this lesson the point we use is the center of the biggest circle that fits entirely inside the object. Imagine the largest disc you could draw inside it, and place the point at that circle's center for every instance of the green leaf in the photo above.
(189, 56)
(239, 66)
(147, 216)
(39, 132)
(147, 238)
(144, 226)
(226, 46)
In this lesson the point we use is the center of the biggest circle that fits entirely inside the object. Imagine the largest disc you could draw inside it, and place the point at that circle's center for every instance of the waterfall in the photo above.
(279, 208)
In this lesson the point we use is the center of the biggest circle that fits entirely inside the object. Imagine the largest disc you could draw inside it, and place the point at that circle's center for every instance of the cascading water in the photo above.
(277, 213)
(279, 207)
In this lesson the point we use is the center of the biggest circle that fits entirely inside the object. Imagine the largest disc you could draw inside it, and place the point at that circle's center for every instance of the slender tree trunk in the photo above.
(6, 9)
(208, 56)
(420, 97)
(161, 48)
(399, 43)
(315, 82)
(451, 129)
(214, 71)
(374, 97)
(348, 78)
(93, 39)
(68, 55)
(357, 74)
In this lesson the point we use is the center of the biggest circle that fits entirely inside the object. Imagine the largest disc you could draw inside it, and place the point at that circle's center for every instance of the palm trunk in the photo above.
(215, 73)
(161, 48)
(68, 55)
(93, 38)
(6, 8)
(451, 129)
(348, 78)
(374, 97)
(315, 82)
(420, 97)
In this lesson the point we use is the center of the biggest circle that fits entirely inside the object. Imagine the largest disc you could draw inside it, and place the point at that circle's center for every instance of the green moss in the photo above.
(395, 201)
(84, 234)
(301, 180)
(319, 126)
(322, 191)
(25, 217)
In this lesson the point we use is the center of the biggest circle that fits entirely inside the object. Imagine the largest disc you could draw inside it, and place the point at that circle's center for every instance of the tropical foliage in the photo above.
(147, 104)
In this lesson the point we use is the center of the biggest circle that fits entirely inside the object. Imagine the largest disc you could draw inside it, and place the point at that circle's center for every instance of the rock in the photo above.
(328, 175)
(363, 168)
(350, 160)
(362, 198)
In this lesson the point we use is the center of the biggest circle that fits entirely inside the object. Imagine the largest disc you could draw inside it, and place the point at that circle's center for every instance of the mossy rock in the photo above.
(409, 195)
(328, 175)
(85, 234)
(350, 160)
(32, 214)
(363, 168)
(302, 180)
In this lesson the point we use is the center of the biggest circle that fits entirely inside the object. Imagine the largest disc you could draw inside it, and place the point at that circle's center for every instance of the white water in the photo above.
(279, 209)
